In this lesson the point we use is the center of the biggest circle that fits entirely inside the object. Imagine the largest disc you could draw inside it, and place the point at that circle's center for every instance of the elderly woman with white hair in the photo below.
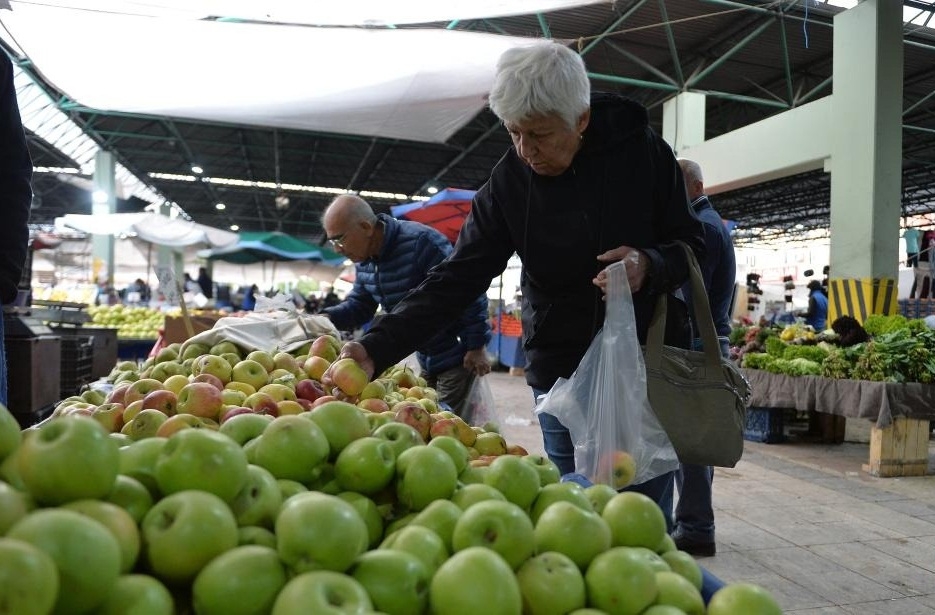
(586, 183)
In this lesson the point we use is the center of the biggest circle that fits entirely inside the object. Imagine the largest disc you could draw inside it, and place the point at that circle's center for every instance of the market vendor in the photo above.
(817, 312)
(586, 183)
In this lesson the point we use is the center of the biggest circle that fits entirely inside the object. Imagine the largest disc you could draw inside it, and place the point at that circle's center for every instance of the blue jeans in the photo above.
(558, 446)
(694, 512)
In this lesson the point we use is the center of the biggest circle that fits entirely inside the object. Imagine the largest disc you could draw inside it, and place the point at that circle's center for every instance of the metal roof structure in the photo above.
(751, 58)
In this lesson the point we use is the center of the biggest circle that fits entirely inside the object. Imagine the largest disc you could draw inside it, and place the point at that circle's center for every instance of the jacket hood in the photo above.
(614, 119)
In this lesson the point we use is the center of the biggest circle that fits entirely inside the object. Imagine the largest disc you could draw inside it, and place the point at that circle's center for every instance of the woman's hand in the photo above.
(636, 263)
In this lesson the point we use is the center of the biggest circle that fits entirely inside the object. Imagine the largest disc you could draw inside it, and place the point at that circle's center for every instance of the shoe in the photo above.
(694, 546)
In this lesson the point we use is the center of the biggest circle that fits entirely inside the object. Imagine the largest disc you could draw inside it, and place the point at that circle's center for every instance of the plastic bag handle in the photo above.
(702, 313)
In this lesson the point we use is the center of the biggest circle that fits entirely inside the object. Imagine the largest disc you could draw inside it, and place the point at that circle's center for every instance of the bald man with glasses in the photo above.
(391, 258)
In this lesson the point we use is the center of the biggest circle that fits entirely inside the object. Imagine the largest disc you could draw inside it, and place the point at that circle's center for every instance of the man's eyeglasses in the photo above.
(337, 242)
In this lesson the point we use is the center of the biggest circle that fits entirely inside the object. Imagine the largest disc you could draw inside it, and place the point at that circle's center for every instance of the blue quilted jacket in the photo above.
(409, 251)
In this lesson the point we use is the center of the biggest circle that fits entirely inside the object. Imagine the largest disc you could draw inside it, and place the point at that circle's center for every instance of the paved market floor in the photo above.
(804, 521)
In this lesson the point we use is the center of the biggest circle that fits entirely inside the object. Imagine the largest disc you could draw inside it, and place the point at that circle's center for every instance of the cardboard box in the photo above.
(175, 326)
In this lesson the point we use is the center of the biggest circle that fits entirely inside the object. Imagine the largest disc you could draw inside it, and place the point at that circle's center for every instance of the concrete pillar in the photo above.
(866, 159)
(683, 121)
(103, 201)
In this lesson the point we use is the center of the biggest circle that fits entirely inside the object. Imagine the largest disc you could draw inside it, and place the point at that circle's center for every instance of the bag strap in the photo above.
(702, 317)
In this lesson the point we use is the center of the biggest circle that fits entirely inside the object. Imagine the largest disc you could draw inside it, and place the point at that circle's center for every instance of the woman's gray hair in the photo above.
(540, 79)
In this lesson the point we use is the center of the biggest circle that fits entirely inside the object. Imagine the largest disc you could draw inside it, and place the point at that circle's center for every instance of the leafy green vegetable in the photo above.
(815, 354)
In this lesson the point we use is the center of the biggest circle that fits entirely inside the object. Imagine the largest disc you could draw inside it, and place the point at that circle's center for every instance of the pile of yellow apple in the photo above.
(131, 322)
(220, 489)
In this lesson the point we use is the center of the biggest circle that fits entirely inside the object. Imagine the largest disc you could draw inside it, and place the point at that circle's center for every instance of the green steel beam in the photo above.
(763, 102)
(612, 27)
(919, 128)
(451, 24)
(670, 39)
(640, 83)
(918, 102)
(726, 56)
(461, 156)
(786, 65)
(640, 62)
(543, 25)
(815, 90)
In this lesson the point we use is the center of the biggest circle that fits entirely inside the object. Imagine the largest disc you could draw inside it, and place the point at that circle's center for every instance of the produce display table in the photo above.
(900, 412)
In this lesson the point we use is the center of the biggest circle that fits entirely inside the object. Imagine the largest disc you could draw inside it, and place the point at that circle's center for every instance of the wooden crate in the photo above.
(902, 449)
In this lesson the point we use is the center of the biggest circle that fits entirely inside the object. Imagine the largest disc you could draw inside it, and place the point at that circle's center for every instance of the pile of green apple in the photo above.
(323, 510)
(131, 322)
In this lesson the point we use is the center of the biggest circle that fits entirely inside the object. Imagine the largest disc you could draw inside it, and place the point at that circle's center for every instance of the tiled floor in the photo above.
(804, 521)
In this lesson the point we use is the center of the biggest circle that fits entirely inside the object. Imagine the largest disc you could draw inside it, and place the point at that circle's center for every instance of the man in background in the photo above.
(15, 200)
(391, 258)
(694, 513)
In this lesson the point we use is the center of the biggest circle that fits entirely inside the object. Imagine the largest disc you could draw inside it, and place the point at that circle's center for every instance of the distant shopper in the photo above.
(817, 312)
(205, 283)
(15, 200)
(694, 512)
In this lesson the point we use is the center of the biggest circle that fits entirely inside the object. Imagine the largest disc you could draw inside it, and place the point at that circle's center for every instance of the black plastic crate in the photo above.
(916, 308)
(764, 425)
(77, 363)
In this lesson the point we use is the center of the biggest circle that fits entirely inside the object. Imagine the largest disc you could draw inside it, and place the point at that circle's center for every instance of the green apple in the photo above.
(440, 516)
(93, 396)
(400, 435)
(396, 581)
(500, 526)
(684, 564)
(242, 581)
(342, 423)
(184, 531)
(28, 578)
(145, 424)
(675, 590)
(291, 447)
(567, 528)
(278, 391)
(491, 443)
(397, 522)
(193, 350)
(252, 372)
(599, 494)
(262, 357)
(10, 435)
(109, 415)
(201, 459)
(743, 598)
(515, 479)
(165, 370)
(421, 542)
(472, 577)
(665, 545)
(317, 531)
(85, 553)
(14, 505)
(233, 397)
(424, 474)
(49, 466)
(140, 594)
(130, 495)
(475, 475)
(259, 500)
(121, 439)
(548, 471)
(471, 493)
(289, 488)
(140, 389)
(138, 461)
(652, 559)
(246, 389)
(253, 535)
(365, 465)
(322, 592)
(455, 449)
(634, 520)
(225, 346)
(551, 584)
(245, 427)
(620, 581)
(559, 492)
(232, 358)
(118, 522)
(323, 479)
(368, 511)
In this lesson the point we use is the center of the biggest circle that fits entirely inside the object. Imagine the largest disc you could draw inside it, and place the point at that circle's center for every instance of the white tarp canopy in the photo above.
(164, 58)
(151, 228)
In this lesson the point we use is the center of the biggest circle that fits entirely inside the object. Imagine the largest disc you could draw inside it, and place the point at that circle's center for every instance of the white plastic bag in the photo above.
(481, 407)
(604, 405)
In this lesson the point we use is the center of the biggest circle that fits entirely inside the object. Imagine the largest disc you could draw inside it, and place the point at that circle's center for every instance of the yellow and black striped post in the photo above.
(862, 297)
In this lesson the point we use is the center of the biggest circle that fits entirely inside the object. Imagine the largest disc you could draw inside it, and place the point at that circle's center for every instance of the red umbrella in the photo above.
(445, 211)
